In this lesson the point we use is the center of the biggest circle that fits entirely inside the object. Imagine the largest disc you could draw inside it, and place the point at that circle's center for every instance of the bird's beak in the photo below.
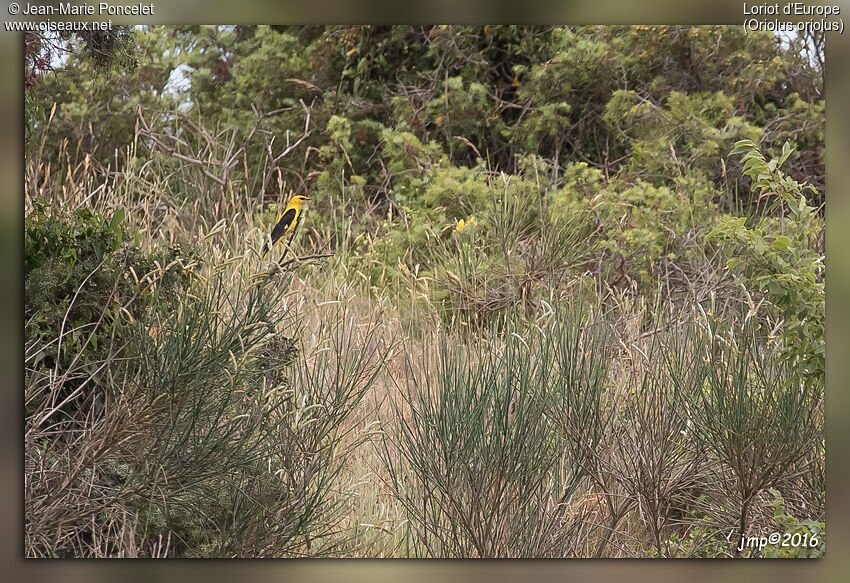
(307, 198)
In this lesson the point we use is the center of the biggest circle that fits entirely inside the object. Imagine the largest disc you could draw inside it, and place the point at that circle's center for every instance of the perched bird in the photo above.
(288, 220)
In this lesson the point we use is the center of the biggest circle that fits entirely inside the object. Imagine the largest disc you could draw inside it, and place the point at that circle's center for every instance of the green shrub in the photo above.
(85, 281)
(687, 132)
(799, 538)
(639, 224)
(781, 260)
(699, 542)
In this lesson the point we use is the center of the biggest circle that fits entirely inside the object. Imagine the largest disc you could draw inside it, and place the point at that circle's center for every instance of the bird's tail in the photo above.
(265, 248)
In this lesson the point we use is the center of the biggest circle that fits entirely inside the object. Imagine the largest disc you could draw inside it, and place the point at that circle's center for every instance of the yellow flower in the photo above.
(462, 224)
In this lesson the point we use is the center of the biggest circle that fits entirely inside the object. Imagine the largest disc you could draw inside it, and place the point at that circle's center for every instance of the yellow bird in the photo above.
(288, 220)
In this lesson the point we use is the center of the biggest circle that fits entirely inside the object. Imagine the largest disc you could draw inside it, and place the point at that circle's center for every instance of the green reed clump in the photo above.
(250, 442)
(755, 413)
(478, 460)
(654, 457)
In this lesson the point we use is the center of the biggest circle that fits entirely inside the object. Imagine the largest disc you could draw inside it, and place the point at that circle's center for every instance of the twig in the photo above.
(282, 266)
(305, 258)
(273, 160)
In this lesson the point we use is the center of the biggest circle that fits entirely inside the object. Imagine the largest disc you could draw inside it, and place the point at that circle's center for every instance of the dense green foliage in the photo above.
(84, 282)
(412, 125)
(783, 257)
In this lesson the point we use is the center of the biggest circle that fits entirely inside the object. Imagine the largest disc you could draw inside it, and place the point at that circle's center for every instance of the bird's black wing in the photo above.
(283, 224)
(280, 228)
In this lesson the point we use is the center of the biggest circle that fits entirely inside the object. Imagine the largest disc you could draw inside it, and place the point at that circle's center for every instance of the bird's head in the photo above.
(298, 200)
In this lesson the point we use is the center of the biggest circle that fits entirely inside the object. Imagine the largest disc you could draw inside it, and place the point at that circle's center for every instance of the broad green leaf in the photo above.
(781, 243)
